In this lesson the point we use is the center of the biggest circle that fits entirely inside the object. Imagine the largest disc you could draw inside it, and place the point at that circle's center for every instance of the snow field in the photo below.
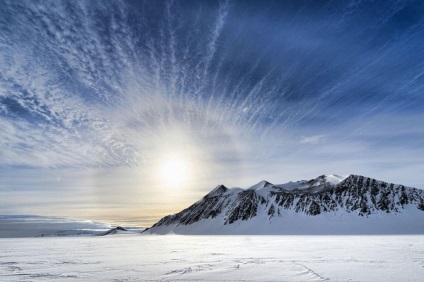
(213, 258)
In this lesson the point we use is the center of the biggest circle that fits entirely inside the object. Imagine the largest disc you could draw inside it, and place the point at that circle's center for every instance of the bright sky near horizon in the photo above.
(131, 110)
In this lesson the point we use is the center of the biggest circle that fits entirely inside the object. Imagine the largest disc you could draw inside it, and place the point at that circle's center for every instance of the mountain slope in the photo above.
(328, 204)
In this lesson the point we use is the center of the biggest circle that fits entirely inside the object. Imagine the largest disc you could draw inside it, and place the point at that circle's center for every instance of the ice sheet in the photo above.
(213, 258)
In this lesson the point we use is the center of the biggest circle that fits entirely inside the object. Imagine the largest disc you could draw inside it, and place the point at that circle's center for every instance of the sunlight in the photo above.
(174, 172)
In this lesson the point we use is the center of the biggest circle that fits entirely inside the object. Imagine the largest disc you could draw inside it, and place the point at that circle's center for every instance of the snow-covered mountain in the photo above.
(328, 204)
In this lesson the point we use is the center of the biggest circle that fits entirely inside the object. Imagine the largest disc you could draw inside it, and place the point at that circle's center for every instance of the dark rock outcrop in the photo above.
(356, 194)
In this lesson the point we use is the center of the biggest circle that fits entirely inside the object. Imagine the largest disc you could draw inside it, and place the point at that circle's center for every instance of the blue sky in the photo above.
(95, 96)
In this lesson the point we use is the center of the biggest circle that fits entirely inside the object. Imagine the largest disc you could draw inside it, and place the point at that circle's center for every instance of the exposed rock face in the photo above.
(357, 195)
(245, 206)
(113, 231)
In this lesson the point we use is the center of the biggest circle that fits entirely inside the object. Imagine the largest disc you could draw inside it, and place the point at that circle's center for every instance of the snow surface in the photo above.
(410, 221)
(331, 179)
(213, 258)
(262, 186)
(334, 179)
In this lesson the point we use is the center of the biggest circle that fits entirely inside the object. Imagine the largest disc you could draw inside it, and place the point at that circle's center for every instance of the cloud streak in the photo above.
(235, 86)
(314, 139)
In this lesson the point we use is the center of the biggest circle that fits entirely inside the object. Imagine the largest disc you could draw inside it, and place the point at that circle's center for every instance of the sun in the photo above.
(174, 172)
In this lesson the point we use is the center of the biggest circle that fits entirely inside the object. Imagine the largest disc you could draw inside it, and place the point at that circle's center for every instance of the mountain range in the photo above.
(328, 204)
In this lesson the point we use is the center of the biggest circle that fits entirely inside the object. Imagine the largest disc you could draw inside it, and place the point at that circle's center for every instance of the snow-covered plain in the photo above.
(213, 258)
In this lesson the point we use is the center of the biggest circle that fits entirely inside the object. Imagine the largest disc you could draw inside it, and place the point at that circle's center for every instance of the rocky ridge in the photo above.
(355, 195)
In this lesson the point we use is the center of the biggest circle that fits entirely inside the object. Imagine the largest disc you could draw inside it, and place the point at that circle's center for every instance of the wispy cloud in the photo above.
(88, 86)
(314, 139)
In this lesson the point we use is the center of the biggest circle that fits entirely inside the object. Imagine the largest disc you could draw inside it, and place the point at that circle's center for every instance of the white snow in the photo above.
(409, 221)
(331, 179)
(260, 185)
(334, 179)
(263, 187)
(213, 258)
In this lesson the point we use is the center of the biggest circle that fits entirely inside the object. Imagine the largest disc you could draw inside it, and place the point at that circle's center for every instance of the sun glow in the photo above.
(174, 172)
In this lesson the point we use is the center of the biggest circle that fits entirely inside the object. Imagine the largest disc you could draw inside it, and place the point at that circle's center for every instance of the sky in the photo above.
(126, 111)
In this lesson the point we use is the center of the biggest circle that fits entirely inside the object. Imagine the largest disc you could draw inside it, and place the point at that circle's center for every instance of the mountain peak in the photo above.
(315, 185)
(328, 204)
(332, 179)
(218, 190)
(260, 185)
(113, 231)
